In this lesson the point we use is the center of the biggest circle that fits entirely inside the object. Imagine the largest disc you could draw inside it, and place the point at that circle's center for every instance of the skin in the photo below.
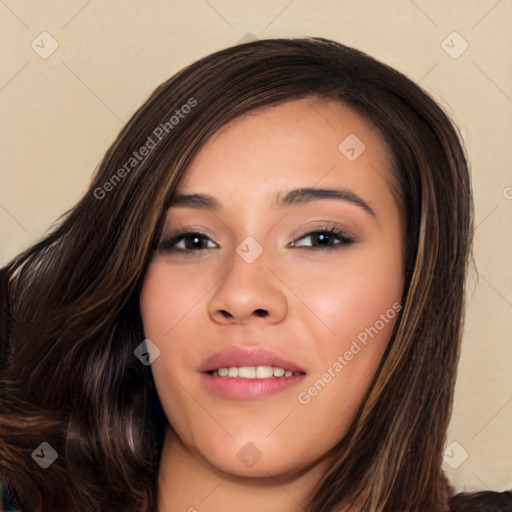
(317, 297)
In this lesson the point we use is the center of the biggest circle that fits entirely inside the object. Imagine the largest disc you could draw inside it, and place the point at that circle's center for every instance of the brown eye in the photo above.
(326, 239)
(186, 242)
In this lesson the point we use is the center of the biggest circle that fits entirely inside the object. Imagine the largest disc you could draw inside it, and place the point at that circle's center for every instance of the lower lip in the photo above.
(234, 388)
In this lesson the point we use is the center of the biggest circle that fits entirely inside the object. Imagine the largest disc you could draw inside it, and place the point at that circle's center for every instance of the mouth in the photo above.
(254, 372)
(248, 373)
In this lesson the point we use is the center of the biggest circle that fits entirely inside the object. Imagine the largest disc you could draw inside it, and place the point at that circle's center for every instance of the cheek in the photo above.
(167, 296)
(155, 302)
(353, 296)
(359, 302)
(361, 315)
(163, 306)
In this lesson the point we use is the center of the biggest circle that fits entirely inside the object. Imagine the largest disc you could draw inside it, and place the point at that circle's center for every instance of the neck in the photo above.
(189, 483)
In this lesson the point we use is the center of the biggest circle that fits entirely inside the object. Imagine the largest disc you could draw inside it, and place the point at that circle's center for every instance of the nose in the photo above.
(248, 292)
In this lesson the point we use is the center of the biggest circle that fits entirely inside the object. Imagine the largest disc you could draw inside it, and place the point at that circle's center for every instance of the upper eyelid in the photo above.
(311, 226)
(323, 226)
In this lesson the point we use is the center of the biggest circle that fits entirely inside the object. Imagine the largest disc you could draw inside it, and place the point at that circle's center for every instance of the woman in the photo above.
(257, 305)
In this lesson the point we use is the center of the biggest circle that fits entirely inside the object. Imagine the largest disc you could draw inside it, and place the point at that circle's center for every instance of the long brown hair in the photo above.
(70, 377)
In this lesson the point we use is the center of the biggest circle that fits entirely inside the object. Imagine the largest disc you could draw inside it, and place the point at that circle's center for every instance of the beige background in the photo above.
(60, 114)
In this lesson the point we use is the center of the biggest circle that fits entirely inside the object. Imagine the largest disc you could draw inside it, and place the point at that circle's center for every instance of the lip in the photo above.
(235, 388)
(248, 356)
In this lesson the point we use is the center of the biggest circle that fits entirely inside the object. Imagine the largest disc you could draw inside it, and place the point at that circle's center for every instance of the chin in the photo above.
(245, 458)
(261, 469)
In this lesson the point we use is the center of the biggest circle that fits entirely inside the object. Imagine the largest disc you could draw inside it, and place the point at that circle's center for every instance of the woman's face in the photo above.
(260, 272)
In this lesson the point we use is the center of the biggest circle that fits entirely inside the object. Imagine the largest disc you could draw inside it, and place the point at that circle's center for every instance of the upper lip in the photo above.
(247, 356)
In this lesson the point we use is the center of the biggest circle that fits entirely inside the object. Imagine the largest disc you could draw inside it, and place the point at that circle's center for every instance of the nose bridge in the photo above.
(249, 287)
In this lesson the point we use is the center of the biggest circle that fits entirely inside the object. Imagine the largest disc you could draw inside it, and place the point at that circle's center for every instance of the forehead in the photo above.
(301, 142)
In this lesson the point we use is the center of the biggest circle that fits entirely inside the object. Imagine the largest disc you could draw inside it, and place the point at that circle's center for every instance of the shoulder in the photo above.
(6, 502)
(484, 501)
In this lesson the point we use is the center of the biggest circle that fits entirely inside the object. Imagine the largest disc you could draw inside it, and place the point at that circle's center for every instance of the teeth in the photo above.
(247, 372)
(279, 372)
(253, 372)
(264, 372)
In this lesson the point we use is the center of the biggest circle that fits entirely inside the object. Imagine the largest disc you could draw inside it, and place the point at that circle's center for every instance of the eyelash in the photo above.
(333, 230)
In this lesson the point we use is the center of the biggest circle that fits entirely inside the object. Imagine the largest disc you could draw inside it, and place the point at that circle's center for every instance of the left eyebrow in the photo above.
(292, 197)
(298, 196)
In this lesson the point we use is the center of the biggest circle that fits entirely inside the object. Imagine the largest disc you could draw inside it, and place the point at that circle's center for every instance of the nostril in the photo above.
(261, 312)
